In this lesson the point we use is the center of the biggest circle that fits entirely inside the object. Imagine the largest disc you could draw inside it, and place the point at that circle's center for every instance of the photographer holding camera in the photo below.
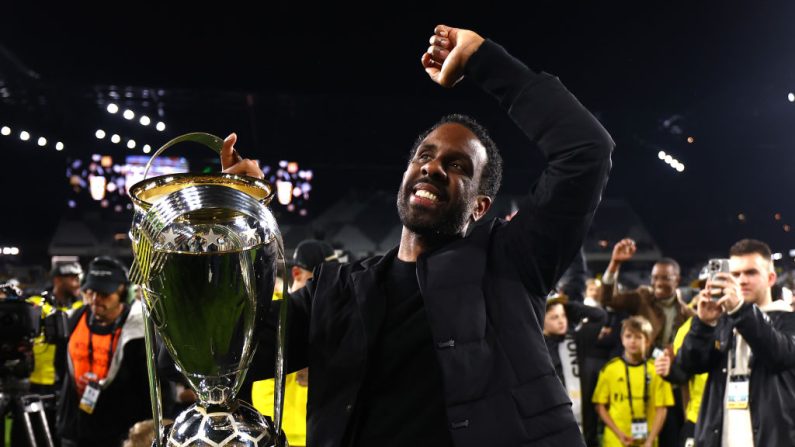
(744, 340)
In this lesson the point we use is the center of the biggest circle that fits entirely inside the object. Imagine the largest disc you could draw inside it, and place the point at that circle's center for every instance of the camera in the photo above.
(715, 266)
(20, 323)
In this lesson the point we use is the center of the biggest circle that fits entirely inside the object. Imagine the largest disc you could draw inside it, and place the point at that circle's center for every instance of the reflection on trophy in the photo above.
(206, 249)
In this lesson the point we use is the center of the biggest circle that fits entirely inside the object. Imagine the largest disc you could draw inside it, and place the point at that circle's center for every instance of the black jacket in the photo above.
(772, 388)
(484, 294)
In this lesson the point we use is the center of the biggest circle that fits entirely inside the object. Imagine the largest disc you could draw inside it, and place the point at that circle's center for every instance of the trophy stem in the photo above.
(154, 382)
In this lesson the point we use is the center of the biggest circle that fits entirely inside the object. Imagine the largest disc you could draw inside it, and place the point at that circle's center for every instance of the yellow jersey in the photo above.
(696, 384)
(612, 390)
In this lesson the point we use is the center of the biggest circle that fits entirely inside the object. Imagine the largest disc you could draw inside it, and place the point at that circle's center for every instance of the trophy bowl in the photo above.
(206, 248)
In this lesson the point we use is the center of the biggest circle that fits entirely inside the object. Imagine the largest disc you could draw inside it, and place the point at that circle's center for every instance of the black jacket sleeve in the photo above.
(576, 312)
(698, 353)
(552, 220)
(775, 346)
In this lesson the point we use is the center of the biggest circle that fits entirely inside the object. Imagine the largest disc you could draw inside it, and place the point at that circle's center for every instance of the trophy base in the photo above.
(240, 427)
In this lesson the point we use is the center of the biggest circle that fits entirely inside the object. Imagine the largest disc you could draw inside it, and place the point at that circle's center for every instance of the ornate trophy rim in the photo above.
(145, 193)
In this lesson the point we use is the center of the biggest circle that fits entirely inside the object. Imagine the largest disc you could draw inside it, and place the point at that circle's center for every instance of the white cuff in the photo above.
(732, 311)
(609, 277)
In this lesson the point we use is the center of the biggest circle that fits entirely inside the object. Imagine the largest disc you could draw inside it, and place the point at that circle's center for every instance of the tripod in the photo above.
(26, 409)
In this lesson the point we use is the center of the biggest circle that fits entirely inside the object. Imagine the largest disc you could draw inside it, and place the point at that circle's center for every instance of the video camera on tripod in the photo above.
(20, 324)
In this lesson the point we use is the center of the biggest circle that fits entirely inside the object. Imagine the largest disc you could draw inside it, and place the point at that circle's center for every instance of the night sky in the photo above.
(347, 96)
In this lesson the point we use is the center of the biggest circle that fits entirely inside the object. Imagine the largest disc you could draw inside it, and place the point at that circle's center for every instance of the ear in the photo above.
(482, 205)
(771, 278)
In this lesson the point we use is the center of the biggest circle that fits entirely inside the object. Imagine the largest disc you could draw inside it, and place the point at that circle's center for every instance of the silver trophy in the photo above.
(206, 251)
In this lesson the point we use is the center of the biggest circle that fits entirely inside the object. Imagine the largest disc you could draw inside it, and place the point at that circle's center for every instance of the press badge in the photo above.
(737, 394)
(640, 429)
(90, 397)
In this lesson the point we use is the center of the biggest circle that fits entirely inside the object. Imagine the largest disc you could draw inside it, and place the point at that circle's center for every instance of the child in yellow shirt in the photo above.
(630, 397)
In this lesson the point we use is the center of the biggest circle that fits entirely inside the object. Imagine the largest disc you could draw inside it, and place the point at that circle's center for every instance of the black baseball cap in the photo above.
(105, 275)
(66, 269)
(311, 253)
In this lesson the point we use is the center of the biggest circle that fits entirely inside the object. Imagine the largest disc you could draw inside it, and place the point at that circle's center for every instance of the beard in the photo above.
(446, 222)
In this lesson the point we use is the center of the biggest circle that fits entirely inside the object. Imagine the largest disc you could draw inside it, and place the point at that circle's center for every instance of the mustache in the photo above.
(441, 192)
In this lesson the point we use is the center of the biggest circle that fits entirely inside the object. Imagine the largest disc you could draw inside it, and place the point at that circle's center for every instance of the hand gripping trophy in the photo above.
(206, 250)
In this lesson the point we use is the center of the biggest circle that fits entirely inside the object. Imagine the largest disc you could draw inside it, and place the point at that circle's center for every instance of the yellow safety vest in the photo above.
(44, 353)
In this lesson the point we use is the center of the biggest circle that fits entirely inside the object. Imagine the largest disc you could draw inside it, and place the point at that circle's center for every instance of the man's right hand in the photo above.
(708, 309)
(623, 251)
(450, 50)
(233, 163)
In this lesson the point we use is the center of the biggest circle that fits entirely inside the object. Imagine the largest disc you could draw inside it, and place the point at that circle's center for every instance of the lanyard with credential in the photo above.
(645, 388)
(91, 347)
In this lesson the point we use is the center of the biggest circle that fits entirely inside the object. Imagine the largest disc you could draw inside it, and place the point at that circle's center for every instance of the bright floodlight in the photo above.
(130, 144)
(791, 97)
(59, 146)
(144, 120)
(128, 114)
(14, 251)
(147, 148)
(680, 167)
(24, 136)
(661, 155)
(100, 134)
(161, 126)
(115, 138)
(5, 130)
(41, 141)
(113, 108)
(669, 159)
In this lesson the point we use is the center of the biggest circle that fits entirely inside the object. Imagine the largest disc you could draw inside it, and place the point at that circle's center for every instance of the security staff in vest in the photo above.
(105, 390)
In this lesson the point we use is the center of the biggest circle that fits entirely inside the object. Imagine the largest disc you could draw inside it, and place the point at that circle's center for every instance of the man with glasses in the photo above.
(658, 303)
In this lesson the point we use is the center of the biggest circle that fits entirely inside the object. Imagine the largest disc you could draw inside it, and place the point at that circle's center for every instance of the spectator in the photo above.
(745, 340)
(630, 397)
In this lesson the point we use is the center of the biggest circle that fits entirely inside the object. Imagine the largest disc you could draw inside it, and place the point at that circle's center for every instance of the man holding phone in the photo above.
(746, 341)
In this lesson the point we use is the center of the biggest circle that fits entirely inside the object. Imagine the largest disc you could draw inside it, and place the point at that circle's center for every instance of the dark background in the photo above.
(340, 89)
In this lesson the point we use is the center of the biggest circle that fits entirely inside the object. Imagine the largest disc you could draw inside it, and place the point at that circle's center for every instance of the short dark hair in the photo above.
(672, 262)
(749, 247)
(492, 171)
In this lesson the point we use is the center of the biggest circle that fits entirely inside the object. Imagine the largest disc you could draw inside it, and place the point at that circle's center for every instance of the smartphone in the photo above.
(656, 353)
(714, 267)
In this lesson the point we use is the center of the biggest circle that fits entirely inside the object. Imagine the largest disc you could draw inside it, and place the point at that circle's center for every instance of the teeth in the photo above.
(426, 195)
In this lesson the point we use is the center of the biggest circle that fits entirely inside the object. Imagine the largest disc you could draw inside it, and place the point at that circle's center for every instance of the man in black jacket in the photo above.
(439, 341)
(744, 340)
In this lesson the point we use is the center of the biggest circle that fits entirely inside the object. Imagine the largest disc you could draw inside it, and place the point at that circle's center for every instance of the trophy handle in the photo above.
(206, 139)
(281, 347)
(154, 379)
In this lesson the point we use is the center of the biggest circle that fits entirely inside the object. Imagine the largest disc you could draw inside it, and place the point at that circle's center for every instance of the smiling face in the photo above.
(438, 195)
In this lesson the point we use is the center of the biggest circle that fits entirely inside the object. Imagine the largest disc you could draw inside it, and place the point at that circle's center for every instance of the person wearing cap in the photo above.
(308, 255)
(105, 389)
(49, 355)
